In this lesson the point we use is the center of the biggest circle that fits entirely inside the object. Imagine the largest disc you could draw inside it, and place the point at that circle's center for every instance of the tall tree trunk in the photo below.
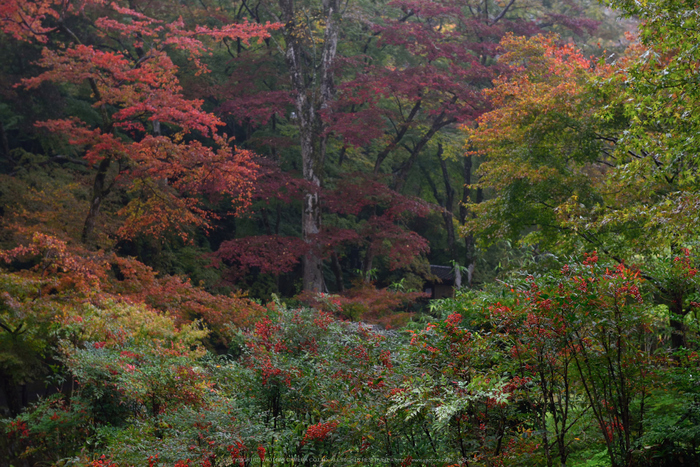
(338, 272)
(449, 217)
(99, 191)
(11, 392)
(448, 212)
(314, 89)
(469, 245)
(367, 265)
(5, 144)
(677, 314)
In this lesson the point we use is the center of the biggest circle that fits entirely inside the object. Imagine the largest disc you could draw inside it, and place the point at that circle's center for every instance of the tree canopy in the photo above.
(220, 221)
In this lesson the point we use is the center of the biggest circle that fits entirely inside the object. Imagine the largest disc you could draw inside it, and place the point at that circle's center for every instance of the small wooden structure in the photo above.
(444, 285)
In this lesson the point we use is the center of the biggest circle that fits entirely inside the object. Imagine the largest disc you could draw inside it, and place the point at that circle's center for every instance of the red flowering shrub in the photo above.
(103, 462)
(237, 452)
(319, 432)
(18, 429)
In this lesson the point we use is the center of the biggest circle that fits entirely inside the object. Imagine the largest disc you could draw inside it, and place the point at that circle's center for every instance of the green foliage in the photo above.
(50, 430)
(26, 335)
(581, 362)
(563, 365)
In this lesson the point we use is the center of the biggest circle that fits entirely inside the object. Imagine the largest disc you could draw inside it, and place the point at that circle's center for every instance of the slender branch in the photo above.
(502, 14)
(403, 128)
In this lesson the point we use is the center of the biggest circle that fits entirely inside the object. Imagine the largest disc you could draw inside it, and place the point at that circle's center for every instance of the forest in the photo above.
(361, 232)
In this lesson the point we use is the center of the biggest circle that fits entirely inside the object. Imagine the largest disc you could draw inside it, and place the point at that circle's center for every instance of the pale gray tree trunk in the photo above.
(314, 89)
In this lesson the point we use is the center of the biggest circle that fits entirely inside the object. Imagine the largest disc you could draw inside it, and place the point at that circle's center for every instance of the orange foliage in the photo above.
(135, 88)
(366, 303)
(545, 77)
(71, 274)
(540, 137)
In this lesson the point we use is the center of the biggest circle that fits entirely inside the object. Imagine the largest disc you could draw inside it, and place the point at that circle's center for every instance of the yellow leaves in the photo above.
(538, 158)
(178, 137)
(547, 81)
(116, 322)
(56, 205)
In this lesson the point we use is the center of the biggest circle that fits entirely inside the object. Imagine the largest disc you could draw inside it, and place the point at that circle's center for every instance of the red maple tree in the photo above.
(163, 146)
